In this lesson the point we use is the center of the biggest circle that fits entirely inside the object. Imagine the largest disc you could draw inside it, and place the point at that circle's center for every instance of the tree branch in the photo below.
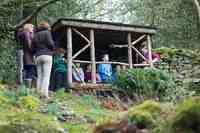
(23, 21)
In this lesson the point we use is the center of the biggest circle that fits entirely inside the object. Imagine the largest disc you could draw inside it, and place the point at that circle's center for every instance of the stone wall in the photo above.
(183, 63)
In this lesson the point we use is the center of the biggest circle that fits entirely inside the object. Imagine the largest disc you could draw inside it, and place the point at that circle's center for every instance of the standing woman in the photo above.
(29, 67)
(24, 38)
(43, 46)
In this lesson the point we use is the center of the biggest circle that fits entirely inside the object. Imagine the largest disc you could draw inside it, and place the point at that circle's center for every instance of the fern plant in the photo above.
(146, 83)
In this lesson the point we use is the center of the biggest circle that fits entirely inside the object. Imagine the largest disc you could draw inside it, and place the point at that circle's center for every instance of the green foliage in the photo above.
(78, 128)
(142, 119)
(149, 105)
(187, 117)
(4, 101)
(145, 114)
(7, 61)
(29, 122)
(28, 102)
(150, 83)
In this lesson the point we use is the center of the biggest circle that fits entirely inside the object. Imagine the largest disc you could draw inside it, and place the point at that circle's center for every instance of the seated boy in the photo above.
(59, 69)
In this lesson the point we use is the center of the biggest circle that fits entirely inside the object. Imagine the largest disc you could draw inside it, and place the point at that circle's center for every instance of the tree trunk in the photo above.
(197, 3)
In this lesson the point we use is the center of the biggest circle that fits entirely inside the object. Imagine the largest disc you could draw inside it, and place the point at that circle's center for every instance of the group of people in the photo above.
(43, 61)
(104, 72)
(38, 48)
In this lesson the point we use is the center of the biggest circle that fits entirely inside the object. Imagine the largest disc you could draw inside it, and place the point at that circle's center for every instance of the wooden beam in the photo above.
(149, 50)
(130, 58)
(111, 62)
(138, 65)
(81, 50)
(141, 55)
(80, 34)
(69, 57)
(126, 45)
(100, 62)
(92, 55)
(118, 46)
(138, 40)
(106, 26)
(81, 61)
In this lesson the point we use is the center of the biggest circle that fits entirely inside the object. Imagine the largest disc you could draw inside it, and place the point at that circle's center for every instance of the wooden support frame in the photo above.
(80, 51)
(138, 40)
(80, 34)
(141, 55)
(92, 55)
(85, 47)
(130, 57)
(149, 49)
(69, 57)
(130, 46)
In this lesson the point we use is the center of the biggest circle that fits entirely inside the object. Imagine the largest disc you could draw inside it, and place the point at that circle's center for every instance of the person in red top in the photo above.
(155, 56)
(88, 74)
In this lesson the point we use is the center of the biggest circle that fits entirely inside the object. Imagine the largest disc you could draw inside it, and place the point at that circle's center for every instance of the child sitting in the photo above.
(78, 74)
(88, 74)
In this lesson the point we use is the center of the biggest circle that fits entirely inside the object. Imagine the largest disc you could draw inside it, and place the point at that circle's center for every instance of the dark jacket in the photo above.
(25, 40)
(43, 43)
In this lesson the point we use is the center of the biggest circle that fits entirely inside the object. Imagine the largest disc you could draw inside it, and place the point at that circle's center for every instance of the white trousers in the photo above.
(44, 65)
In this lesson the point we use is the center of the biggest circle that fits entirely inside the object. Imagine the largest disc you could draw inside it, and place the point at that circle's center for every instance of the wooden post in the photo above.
(149, 49)
(69, 57)
(92, 55)
(130, 59)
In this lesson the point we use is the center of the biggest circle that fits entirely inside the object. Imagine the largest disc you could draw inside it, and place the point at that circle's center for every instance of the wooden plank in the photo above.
(141, 55)
(92, 86)
(82, 61)
(69, 57)
(138, 40)
(149, 50)
(100, 62)
(118, 46)
(138, 65)
(108, 27)
(130, 58)
(111, 62)
(81, 50)
(79, 33)
(126, 45)
(92, 56)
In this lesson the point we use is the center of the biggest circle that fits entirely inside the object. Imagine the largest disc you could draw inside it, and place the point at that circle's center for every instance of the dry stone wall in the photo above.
(183, 63)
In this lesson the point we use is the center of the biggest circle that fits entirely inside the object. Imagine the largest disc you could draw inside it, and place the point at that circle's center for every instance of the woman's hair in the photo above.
(27, 27)
(44, 24)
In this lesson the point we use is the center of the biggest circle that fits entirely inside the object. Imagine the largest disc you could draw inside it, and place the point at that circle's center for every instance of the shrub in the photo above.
(28, 102)
(187, 117)
(149, 106)
(148, 83)
(27, 122)
(145, 115)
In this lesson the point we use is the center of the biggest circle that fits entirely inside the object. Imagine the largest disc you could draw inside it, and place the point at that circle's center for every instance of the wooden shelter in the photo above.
(86, 40)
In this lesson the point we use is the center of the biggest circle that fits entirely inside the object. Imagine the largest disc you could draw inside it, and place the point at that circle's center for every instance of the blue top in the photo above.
(105, 72)
(78, 75)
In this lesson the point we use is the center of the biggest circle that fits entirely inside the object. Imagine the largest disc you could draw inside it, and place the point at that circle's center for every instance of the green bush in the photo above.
(27, 122)
(186, 118)
(148, 83)
(145, 115)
